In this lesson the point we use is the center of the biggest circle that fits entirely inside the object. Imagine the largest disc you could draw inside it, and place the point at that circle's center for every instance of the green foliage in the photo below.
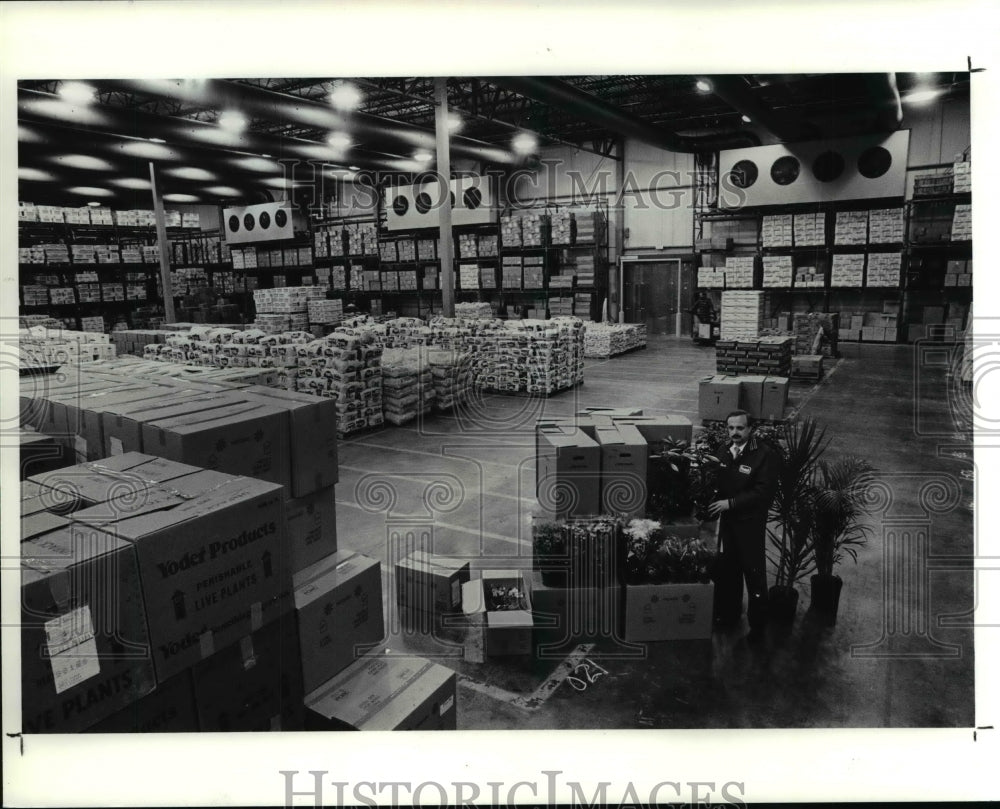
(687, 480)
(839, 506)
(501, 597)
(653, 556)
(548, 539)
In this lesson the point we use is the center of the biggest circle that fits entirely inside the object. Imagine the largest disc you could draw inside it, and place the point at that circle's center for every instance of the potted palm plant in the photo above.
(838, 508)
(792, 515)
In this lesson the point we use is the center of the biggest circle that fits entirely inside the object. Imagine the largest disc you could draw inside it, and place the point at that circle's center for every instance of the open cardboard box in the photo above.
(502, 631)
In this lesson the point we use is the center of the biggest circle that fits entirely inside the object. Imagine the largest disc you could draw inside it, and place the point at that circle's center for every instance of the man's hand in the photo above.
(716, 508)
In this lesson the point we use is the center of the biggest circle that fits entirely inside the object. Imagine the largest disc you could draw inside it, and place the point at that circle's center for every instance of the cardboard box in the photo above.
(915, 331)
(623, 470)
(211, 550)
(718, 396)
(94, 406)
(84, 645)
(122, 422)
(751, 393)
(39, 453)
(655, 429)
(655, 612)
(382, 691)
(568, 472)
(253, 685)
(241, 439)
(933, 315)
(562, 614)
(774, 398)
(430, 583)
(339, 604)
(502, 632)
(168, 709)
(312, 528)
(312, 436)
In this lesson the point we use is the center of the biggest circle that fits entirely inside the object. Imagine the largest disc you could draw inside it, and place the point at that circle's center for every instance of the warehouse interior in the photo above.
(621, 197)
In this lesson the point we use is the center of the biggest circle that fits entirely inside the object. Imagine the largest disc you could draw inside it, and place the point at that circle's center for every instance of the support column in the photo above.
(161, 238)
(445, 251)
(616, 221)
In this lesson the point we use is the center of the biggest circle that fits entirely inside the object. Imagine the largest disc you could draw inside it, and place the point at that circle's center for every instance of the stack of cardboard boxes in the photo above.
(770, 356)
(742, 314)
(763, 397)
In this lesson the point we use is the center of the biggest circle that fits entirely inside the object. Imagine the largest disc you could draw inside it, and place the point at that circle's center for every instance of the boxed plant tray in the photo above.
(667, 594)
(499, 612)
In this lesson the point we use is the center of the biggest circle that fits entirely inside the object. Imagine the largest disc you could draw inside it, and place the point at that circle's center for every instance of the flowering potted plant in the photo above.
(550, 556)
(668, 589)
(685, 481)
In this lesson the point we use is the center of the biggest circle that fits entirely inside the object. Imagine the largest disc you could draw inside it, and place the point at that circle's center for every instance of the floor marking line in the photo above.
(495, 692)
(425, 454)
(556, 679)
(527, 500)
(451, 527)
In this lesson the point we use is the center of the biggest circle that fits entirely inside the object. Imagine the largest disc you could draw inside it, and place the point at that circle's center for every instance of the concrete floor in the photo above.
(900, 655)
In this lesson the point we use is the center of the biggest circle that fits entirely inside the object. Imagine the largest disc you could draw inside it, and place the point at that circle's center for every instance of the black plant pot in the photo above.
(555, 577)
(825, 597)
(781, 604)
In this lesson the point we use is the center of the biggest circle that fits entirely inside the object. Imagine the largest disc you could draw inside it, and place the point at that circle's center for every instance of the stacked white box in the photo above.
(451, 370)
(473, 310)
(742, 314)
(338, 278)
(851, 228)
(533, 227)
(468, 276)
(325, 312)
(711, 278)
(963, 176)
(487, 245)
(287, 300)
(88, 293)
(561, 223)
(62, 295)
(848, 270)
(885, 226)
(884, 269)
(778, 271)
(35, 295)
(776, 231)
(467, 245)
(961, 226)
(610, 339)
(739, 272)
(810, 229)
(510, 231)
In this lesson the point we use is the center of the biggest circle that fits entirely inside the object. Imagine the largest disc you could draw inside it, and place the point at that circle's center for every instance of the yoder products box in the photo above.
(212, 560)
(623, 470)
(774, 398)
(718, 396)
(382, 691)
(312, 436)
(254, 684)
(430, 583)
(84, 642)
(168, 709)
(568, 473)
(563, 614)
(339, 604)
(312, 528)
(752, 394)
(667, 611)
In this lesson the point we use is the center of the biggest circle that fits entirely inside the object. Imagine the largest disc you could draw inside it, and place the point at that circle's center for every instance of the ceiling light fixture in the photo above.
(339, 140)
(923, 95)
(745, 119)
(94, 203)
(346, 96)
(157, 140)
(84, 161)
(90, 191)
(354, 168)
(257, 164)
(224, 191)
(150, 151)
(454, 122)
(703, 86)
(423, 157)
(190, 173)
(524, 143)
(134, 183)
(233, 121)
(28, 173)
(180, 198)
(265, 154)
(76, 92)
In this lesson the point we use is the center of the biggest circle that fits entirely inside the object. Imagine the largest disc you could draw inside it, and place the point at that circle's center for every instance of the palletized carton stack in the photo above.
(962, 171)
(848, 270)
(510, 230)
(533, 272)
(561, 227)
(711, 278)
(510, 269)
(610, 339)
(323, 312)
(754, 355)
(805, 326)
(200, 563)
(739, 272)
(778, 271)
(884, 269)
(958, 273)
(776, 231)
(851, 228)
(534, 229)
(452, 376)
(407, 385)
(764, 397)
(885, 226)
(961, 227)
(742, 314)
(809, 229)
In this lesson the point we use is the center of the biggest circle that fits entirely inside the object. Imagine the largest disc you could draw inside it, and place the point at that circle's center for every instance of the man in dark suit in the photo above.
(747, 484)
